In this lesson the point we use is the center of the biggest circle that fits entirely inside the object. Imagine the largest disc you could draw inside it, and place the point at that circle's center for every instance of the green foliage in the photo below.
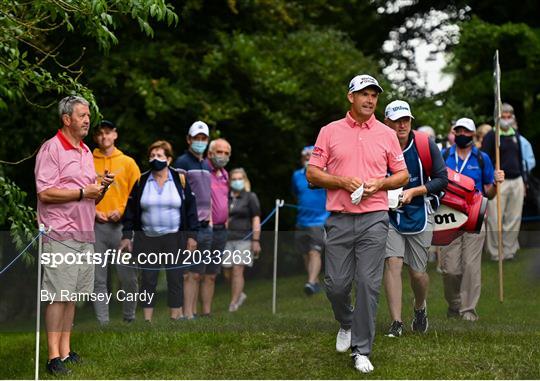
(267, 93)
(15, 213)
(519, 52)
(30, 62)
(441, 111)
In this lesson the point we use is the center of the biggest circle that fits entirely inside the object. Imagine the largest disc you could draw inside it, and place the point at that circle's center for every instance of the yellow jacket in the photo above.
(126, 174)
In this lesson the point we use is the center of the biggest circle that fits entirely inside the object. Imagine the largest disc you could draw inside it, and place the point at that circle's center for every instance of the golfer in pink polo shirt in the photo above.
(354, 153)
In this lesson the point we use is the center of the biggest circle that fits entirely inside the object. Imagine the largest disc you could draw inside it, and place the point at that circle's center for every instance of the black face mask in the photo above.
(463, 141)
(158, 165)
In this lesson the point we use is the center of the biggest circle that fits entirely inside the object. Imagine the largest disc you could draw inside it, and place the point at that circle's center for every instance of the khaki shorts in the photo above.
(413, 248)
(65, 280)
(237, 253)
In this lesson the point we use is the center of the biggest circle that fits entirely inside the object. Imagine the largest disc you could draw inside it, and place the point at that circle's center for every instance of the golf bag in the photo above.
(462, 209)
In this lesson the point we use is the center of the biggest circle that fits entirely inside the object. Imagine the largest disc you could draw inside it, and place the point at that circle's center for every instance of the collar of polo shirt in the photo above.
(353, 123)
(67, 144)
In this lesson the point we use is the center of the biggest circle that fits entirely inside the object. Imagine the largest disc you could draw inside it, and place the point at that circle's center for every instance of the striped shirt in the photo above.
(160, 207)
(198, 176)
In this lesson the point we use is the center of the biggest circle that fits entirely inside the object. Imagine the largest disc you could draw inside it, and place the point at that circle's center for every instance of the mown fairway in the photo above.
(298, 343)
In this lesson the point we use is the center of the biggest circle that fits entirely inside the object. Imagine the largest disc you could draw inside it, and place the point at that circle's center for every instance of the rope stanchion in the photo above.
(279, 204)
(38, 298)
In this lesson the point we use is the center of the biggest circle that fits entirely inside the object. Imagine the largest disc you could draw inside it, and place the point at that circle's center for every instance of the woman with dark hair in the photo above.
(160, 217)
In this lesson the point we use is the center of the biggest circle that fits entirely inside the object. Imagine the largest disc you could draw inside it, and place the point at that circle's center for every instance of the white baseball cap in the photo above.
(397, 109)
(199, 128)
(465, 123)
(362, 81)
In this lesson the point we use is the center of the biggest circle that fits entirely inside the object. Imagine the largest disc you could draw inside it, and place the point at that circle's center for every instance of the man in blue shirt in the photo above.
(461, 260)
(310, 220)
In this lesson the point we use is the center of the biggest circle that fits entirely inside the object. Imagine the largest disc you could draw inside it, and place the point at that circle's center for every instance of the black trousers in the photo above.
(168, 243)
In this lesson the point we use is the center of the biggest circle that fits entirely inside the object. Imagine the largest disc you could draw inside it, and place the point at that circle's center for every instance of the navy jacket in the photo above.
(189, 223)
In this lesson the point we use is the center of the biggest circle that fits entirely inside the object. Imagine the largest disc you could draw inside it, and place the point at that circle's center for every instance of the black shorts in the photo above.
(210, 245)
(308, 238)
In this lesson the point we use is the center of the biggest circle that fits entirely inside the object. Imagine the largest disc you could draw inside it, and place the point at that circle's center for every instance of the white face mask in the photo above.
(506, 123)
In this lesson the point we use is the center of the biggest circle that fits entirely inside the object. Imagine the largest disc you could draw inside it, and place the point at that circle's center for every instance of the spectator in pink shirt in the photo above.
(67, 197)
(219, 153)
(354, 154)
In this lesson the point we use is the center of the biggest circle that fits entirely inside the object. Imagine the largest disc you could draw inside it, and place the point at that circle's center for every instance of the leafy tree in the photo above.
(519, 51)
(31, 63)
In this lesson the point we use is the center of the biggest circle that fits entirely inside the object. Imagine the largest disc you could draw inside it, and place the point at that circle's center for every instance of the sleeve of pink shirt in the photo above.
(394, 157)
(319, 156)
(46, 170)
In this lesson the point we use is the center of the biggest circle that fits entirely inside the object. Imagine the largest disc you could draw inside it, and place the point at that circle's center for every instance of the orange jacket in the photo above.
(126, 174)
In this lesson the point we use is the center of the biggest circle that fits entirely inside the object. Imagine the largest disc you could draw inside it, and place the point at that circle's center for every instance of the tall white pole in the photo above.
(279, 204)
(38, 299)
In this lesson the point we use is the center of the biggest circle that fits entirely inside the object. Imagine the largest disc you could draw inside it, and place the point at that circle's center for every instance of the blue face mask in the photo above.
(237, 185)
(199, 146)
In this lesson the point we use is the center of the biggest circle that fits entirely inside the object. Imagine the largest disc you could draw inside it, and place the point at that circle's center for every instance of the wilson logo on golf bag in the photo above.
(463, 209)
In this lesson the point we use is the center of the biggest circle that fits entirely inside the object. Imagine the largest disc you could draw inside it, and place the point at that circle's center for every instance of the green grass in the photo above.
(298, 342)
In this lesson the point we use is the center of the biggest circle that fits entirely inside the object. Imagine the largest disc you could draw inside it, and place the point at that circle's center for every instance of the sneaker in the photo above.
(420, 320)
(57, 367)
(362, 363)
(312, 288)
(241, 299)
(233, 307)
(309, 289)
(128, 320)
(73, 358)
(396, 329)
(343, 340)
(469, 316)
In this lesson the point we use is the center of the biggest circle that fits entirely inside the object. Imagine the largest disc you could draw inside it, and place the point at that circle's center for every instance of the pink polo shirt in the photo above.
(220, 194)
(368, 150)
(61, 165)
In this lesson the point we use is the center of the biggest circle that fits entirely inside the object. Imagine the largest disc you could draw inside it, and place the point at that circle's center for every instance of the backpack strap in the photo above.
(182, 178)
(479, 157)
(421, 141)
(445, 154)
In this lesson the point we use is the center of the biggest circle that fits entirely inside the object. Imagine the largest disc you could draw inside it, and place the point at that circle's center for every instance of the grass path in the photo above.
(298, 342)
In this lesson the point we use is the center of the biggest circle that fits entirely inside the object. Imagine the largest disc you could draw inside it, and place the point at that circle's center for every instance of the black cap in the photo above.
(107, 123)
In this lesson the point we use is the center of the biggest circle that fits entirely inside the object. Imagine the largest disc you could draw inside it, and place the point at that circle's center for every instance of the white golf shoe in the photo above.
(343, 340)
(362, 363)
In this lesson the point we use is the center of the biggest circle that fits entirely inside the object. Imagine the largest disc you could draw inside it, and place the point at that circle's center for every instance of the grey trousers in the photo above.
(108, 236)
(355, 251)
